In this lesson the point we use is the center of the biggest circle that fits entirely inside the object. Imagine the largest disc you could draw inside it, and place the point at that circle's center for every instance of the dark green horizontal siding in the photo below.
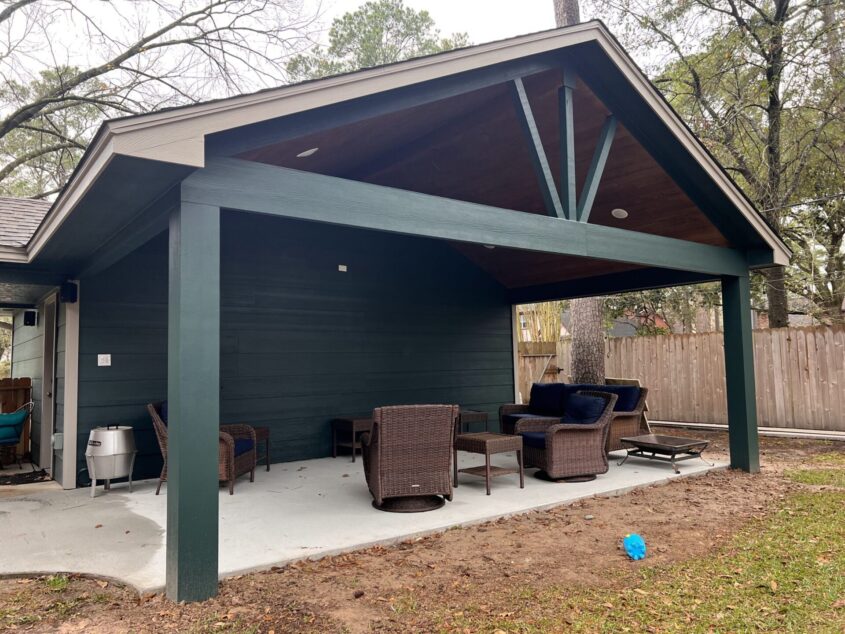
(412, 321)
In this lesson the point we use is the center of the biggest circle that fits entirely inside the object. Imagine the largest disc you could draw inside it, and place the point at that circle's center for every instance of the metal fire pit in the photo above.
(110, 454)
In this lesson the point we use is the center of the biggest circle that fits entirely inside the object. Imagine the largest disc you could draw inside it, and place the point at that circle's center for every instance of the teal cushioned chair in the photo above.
(11, 427)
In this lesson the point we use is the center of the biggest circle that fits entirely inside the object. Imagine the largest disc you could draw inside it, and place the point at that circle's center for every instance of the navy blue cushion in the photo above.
(547, 399)
(163, 412)
(242, 445)
(535, 439)
(583, 410)
(627, 395)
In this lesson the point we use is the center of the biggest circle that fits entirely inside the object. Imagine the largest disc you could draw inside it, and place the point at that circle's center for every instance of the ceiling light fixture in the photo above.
(619, 213)
(309, 152)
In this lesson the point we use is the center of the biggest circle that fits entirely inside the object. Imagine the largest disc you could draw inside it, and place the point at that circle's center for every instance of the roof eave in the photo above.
(178, 135)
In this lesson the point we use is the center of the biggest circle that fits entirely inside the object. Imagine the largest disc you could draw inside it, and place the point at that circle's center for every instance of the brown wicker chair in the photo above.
(229, 466)
(623, 424)
(571, 452)
(407, 456)
(631, 423)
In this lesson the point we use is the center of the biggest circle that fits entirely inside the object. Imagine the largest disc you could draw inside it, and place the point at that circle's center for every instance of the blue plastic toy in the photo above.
(634, 545)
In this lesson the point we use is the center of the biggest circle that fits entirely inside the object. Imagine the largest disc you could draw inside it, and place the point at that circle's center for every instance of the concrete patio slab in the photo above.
(298, 510)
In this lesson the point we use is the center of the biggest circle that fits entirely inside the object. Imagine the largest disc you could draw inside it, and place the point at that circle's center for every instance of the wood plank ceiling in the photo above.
(471, 148)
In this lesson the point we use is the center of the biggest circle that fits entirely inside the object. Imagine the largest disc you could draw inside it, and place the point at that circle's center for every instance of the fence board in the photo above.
(800, 374)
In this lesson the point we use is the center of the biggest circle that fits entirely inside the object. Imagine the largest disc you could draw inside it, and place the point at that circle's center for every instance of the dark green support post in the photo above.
(567, 146)
(193, 395)
(739, 374)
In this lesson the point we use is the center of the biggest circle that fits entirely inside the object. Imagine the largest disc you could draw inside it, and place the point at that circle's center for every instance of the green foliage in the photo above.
(666, 310)
(379, 32)
(38, 157)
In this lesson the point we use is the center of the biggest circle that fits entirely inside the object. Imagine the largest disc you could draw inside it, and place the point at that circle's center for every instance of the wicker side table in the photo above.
(349, 430)
(263, 434)
(488, 443)
(467, 417)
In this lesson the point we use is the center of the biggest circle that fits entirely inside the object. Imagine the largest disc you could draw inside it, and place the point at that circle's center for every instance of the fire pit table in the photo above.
(669, 449)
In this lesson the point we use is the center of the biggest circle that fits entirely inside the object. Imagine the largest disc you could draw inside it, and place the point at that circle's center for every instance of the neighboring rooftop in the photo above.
(19, 218)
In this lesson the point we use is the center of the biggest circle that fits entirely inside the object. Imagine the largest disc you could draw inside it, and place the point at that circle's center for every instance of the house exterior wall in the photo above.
(28, 361)
(59, 416)
(410, 321)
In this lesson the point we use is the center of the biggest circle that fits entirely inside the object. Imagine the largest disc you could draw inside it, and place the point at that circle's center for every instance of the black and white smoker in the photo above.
(110, 454)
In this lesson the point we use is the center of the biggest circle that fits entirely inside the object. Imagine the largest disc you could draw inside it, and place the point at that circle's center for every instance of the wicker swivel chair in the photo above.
(571, 452)
(235, 457)
(407, 457)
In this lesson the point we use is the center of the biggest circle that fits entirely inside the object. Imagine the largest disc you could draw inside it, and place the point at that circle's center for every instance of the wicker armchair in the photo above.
(229, 465)
(631, 423)
(407, 457)
(623, 424)
(574, 452)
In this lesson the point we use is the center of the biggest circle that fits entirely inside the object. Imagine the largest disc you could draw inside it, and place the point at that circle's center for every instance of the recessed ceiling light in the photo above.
(489, 246)
(309, 152)
(619, 213)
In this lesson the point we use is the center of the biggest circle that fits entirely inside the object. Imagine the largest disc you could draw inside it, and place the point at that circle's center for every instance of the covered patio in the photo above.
(317, 250)
(279, 519)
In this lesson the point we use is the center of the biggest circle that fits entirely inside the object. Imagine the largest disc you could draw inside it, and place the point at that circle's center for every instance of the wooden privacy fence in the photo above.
(799, 372)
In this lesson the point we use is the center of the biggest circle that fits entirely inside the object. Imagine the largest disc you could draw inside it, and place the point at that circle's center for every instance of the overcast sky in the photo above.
(483, 20)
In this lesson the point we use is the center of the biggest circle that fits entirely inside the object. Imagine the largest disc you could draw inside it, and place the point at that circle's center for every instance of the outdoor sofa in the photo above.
(573, 446)
(548, 400)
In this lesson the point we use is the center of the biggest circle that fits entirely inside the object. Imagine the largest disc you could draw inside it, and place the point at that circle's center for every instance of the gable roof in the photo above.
(178, 136)
(19, 218)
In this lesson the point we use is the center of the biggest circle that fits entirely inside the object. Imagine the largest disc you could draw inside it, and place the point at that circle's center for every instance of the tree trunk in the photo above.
(567, 12)
(775, 288)
(586, 315)
(587, 326)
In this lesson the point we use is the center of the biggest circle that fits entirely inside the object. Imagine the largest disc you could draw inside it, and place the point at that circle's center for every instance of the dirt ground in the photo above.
(415, 586)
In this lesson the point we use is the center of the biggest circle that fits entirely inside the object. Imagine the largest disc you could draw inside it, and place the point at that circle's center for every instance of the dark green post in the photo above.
(193, 389)
(739, 374)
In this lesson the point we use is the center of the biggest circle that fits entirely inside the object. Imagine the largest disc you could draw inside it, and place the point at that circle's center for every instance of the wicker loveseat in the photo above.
(572, 447)
(236, 453)
(548, 400)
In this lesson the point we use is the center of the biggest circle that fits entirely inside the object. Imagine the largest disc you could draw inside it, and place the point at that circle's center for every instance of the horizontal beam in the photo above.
(15, 306)
(613, 283)
(143, 227)
(301, 124)
(19, 275)
(260, 188)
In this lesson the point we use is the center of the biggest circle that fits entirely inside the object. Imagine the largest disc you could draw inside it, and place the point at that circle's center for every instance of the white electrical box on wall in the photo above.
(104, 360)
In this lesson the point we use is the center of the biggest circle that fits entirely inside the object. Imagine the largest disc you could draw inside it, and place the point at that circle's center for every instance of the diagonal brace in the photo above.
(591, 185)
(535, 148)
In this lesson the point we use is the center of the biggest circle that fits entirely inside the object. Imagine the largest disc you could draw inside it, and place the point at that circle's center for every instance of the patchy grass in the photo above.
(779, 574)
(819, 477)
(834, 458)
(57, 583)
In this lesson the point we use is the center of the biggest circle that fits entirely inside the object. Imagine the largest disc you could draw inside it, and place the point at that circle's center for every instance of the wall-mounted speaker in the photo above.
(68, 293)
(30, 318)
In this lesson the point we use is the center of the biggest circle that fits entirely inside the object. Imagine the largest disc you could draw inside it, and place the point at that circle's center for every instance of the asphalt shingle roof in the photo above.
(19, 218)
